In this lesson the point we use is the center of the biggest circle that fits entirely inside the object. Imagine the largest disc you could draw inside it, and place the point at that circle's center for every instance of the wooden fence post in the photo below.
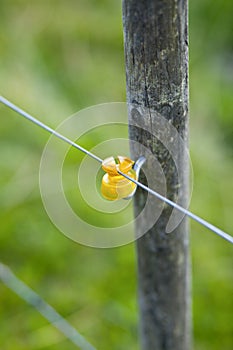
(156, 54)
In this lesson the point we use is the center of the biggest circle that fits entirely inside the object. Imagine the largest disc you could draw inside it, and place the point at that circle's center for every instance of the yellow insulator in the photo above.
(115, 186)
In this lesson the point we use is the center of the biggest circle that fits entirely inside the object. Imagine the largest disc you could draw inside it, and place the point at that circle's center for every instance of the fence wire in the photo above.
(46, 310)
(193, 216)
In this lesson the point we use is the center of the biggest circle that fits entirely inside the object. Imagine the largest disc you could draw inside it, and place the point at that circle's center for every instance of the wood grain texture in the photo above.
(156, 56)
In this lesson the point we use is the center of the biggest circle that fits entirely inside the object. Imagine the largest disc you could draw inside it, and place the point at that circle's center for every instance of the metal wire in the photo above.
(201, 221)
(46, 127)
(195, 217)
(46, 310)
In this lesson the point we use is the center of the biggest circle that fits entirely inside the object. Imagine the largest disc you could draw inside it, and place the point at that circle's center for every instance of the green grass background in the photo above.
(57, 57)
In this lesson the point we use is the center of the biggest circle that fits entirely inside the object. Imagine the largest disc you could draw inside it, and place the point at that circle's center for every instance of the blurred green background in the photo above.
(58, 57)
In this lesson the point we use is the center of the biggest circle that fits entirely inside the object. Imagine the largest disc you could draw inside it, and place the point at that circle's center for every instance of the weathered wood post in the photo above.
(156, 52)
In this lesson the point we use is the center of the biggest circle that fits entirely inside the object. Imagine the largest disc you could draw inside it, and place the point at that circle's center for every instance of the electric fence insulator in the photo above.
(115, 186)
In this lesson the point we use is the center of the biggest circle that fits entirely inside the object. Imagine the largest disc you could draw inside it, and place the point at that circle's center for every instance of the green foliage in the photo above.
(56, 58)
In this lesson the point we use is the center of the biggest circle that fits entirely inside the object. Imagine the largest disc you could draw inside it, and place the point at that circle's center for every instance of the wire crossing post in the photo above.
(156, 53)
